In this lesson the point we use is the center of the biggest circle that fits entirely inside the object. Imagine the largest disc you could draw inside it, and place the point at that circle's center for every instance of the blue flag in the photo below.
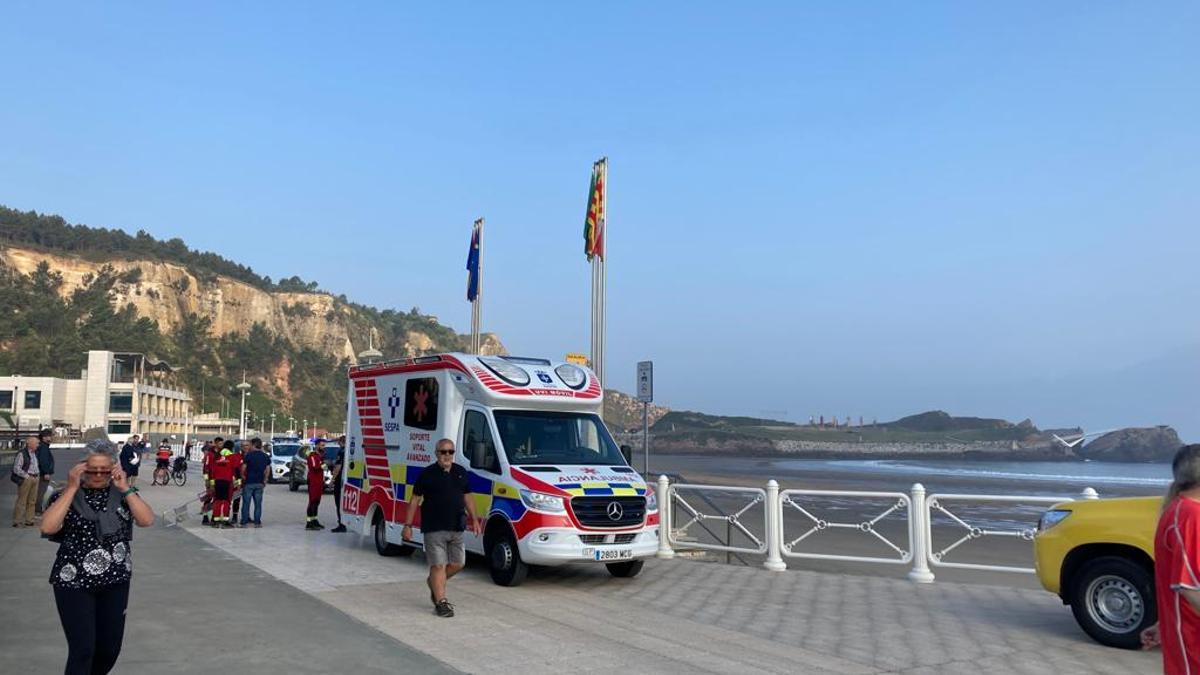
(473, 266)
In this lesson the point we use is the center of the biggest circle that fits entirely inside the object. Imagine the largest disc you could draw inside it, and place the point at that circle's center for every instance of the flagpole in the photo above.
(603, 271)
(479, 296)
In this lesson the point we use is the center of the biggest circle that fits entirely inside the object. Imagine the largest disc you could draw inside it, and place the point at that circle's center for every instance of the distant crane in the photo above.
(1076, 440)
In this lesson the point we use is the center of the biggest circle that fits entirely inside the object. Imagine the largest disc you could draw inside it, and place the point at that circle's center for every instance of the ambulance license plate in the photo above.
(606, 554)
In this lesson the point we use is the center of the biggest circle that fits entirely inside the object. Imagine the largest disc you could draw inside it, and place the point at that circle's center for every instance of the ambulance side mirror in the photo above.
(627, 453)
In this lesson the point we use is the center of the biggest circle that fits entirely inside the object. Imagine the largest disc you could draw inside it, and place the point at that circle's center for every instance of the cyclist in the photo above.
(163, 455)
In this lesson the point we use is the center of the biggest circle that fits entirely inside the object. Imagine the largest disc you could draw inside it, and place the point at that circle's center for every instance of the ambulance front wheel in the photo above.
(504, 559)
(383, 546)
(625, 569)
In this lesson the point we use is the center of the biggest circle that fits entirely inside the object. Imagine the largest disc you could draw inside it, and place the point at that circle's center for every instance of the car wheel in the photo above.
(1112, 599)
(383, 546)
(504, 559)
(626, 569)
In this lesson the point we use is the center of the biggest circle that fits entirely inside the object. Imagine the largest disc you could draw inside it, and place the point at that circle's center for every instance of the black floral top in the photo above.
(85, 562)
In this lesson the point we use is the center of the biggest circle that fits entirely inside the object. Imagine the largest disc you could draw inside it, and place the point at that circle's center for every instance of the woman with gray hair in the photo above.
(1177, 568)
(91, 519)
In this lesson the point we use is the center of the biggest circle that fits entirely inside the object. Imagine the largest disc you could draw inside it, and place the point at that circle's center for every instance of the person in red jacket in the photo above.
(222, 478)
(316, 484)
(211, 450)
(238, 457)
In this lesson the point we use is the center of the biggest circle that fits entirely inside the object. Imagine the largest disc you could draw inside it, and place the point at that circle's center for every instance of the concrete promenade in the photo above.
(677, 616)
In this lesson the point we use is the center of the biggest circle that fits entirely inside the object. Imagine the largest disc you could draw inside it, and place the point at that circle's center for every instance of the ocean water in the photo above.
(1076, 474)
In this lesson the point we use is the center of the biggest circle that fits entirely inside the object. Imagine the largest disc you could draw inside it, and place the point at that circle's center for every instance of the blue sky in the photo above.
(874, 209)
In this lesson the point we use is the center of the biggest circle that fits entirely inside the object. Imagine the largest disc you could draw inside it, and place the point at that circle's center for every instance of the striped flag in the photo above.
(473, 264)
(593, 225)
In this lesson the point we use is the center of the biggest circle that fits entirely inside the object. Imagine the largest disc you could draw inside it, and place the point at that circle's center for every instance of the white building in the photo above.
(120, 392)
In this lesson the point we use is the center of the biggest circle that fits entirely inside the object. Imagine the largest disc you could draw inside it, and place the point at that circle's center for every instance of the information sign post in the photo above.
(645, 389)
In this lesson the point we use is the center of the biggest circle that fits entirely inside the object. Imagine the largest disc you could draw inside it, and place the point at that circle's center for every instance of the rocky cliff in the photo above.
(167, 292)
(1151, 444)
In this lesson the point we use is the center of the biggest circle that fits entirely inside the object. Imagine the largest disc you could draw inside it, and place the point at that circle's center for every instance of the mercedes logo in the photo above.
(615, 512)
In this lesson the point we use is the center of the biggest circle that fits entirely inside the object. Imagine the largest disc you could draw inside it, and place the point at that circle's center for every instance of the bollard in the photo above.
(920, 570)
(1089, 493)
(774, 561)
(664, 518)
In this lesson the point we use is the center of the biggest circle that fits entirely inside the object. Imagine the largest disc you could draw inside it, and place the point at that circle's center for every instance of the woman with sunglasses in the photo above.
(91, 519)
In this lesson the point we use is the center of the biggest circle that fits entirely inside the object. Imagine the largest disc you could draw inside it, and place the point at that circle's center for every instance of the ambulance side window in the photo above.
(476, 432)
(421, 403)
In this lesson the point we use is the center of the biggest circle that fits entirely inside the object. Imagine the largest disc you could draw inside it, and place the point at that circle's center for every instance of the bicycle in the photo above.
(179, 471)
(162, 475)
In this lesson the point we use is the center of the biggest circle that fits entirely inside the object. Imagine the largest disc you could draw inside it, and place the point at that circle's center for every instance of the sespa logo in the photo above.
(545, 377)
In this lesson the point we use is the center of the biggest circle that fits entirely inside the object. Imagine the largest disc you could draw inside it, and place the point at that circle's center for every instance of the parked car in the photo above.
(282, 453)
(298, 467)
(1098, 556)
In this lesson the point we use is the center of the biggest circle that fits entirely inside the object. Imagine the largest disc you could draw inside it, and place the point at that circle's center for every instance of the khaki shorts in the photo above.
(445, 548)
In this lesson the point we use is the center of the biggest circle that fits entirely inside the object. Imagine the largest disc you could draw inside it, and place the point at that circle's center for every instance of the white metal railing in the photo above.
(692, 498)
(916, 508)
(897, 502)
(970, 532)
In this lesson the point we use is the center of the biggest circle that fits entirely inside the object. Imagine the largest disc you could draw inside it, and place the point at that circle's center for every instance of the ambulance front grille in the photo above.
(594, 511)
(595, 539)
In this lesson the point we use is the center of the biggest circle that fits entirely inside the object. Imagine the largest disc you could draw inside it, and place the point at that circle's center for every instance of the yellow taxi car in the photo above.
(1098, 556)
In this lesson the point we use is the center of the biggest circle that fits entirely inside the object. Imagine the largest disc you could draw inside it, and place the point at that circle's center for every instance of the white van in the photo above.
(553, 484)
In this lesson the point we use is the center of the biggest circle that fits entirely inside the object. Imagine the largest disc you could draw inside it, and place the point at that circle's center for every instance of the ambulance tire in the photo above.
(382, 546)
(626, 570)
(504, 558)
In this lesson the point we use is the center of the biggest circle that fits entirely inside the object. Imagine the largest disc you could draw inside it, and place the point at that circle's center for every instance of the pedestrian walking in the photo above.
(45, 459)
(443, 495)
(255, 468)
(337, 483)
(91, 519)
(26, 475)
(131, 457)
(315, 463)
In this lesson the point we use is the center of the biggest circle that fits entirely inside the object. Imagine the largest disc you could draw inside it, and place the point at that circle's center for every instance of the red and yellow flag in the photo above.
(593, 225)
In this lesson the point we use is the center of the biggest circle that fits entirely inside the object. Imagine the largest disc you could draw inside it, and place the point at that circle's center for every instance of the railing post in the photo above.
(664, 518)
(774, 561)
(917, 521)
(1089, 493)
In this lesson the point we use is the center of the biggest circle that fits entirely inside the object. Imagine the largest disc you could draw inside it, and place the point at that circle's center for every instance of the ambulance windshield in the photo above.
(539, 437)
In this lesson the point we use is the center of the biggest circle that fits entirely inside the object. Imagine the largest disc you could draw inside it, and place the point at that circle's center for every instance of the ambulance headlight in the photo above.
(543, 502)
(651, 500)
(506, 371)
(572, 376)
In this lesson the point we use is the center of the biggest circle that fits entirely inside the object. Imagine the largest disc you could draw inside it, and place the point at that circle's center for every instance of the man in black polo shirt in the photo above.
(447, 508)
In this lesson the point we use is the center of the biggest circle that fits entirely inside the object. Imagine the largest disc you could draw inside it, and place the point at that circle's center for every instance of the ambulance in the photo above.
(548, 480)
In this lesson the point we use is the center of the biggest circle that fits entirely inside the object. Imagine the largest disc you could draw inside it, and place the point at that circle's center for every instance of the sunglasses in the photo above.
(98, 472)
(445, 452)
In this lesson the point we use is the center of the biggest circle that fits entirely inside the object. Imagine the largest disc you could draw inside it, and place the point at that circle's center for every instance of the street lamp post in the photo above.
(304, 431)
(243, 387)
(17, 410)
(272, 425)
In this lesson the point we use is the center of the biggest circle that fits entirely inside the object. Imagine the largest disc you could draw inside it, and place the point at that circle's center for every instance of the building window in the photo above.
(120, 402)
(33, 400)
(118, 427)
(6, 400)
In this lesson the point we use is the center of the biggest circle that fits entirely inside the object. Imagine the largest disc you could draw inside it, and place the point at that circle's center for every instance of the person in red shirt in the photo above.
(316, 484)
(1177, 569)
(222, 478)
(238, 458)
(211, 450)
